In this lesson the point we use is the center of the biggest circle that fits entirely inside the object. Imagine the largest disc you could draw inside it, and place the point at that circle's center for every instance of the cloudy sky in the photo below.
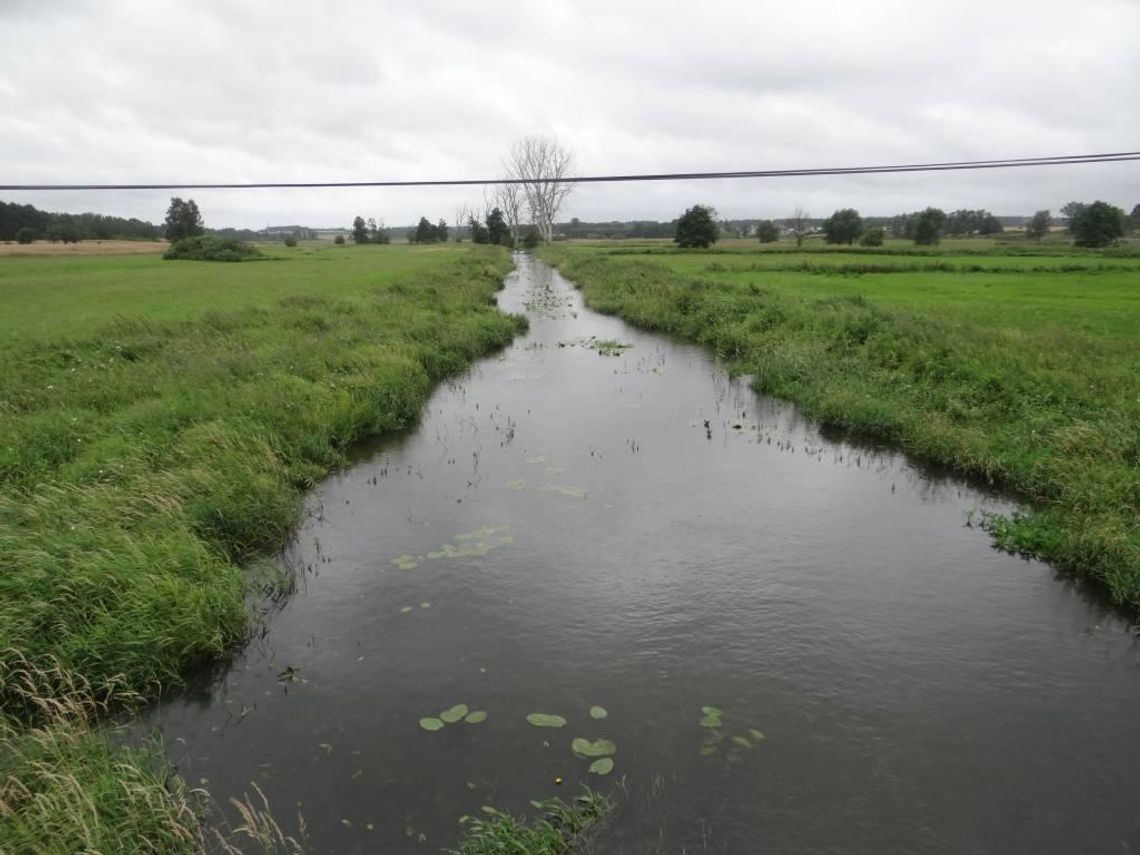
(235, 90)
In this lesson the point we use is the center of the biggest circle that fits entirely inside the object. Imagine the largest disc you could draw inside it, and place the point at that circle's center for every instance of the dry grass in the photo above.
(85, 247)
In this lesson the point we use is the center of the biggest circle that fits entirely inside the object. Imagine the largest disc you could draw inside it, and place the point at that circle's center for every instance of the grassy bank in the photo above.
(159, 422)
(1017, 367)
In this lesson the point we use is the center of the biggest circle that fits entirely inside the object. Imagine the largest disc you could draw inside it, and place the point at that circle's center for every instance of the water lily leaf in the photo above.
(710, 721)
(602, 766)
(597, 748)
(546, 720)
(431, 724)
(742, 742)
(713, 711)
(405, 610)
(598, 712)
(451, 716)
(476, 717)
(756, 735)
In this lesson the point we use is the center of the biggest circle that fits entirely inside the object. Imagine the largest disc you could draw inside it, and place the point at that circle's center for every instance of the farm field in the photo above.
(1017, 367)
(159, 422)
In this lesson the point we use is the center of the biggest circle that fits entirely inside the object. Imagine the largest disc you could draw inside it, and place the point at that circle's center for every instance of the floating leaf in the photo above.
(602, 766)
(405, 610)
(742, 742)
(431, 724)
(598, 712)
(451, 716)
(710, 721)
(476, 717)
(712, 711)
(756, 735)
(597, 748)
(545, 720)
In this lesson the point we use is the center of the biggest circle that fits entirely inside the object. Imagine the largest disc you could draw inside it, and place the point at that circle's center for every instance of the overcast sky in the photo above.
(228, 90)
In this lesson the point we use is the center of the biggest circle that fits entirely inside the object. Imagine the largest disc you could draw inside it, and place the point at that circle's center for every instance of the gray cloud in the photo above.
(219, 91)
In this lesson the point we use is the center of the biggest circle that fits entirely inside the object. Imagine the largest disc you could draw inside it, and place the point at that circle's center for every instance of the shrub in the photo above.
(290, 241)
(209, 248)
(26, 235)
(531, 240)
(1097, 225)
(767, 231)
(872, 237)
(339, 240)
(696, 228)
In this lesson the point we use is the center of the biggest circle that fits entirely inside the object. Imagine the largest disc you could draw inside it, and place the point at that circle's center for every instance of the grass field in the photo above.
(159, 422)
(1017, 365)
(42, 248)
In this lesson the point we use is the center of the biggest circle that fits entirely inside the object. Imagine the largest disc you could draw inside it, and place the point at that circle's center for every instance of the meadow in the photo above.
(159, 423)
(1015, 365)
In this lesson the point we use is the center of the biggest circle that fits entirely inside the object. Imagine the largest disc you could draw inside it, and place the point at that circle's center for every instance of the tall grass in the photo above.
(141, 465)
(1036, 392)
(560, 828)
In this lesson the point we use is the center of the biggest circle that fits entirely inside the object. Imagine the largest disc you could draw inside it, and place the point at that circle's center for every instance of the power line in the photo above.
(1008, 163)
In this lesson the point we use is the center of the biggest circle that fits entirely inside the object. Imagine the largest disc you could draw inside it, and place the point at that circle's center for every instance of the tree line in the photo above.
(26, 223)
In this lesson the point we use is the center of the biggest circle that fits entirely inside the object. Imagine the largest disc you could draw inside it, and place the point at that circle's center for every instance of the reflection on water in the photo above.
(797, 643)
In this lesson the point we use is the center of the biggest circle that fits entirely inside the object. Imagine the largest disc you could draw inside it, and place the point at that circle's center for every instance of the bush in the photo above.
(872, 237)
(26, 235)
(290, 241)
(531, 240)
(339, 240)
(767, 231)
(208, 248)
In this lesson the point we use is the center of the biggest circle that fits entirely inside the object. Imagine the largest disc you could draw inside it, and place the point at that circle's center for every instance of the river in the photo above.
(578, 524)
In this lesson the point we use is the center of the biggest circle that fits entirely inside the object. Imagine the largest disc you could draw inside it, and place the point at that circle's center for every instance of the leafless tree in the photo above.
(510, 199)
(799, 223)
(464, 214)
(546, 171)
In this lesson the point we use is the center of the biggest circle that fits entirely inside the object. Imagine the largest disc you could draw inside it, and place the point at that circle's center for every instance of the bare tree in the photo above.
(510, 199)
(464, 214)
(799, 223)
(546, 171)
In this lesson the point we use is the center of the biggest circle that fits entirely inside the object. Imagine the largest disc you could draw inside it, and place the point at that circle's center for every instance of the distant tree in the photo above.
(926, 226)
(479, 232)
(1071, 210)
(696, 228)
(990, 225)
(1134, 218)
(182, 220)
(844, 226)
(441, 231)
(1096, 225)
(767, 231)
(26, 235)
(872, 236)
(498, 232)
(532, 238)
(1038, 225)
(290, 241)
(800, 224)
(339, 240)
(546, 172)
(425, 231)
(359, 230)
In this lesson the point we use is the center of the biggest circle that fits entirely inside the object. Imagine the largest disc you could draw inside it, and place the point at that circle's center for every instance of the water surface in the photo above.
(575, 525)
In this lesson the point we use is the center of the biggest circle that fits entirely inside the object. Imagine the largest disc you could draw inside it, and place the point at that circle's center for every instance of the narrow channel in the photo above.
(601, 517)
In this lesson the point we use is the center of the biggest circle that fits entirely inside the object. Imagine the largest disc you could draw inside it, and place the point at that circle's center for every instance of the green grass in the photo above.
(1018, 366)
(159, 423)
(560, 829)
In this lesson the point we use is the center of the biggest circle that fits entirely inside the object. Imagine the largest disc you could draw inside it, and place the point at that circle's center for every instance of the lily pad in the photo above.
(756, 735)
(743, 742)
(431, 724)
(710, 721)
(712, 711)
(602, 766)
(476, 717)
(598, 712)
(545, 720)
(451, 716)
(597, 748)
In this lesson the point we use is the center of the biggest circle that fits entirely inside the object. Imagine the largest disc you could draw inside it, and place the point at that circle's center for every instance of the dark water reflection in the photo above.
(919, 692)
